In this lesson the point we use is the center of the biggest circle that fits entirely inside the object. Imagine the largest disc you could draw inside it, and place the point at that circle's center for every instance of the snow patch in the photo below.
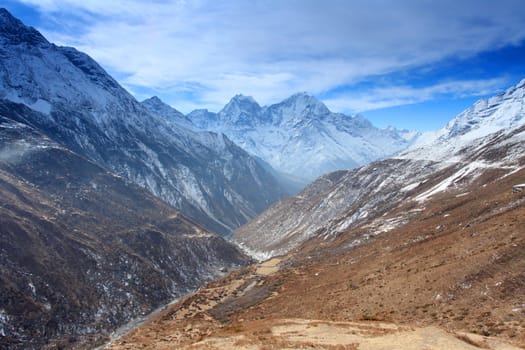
(41, 106)
(4, 319)
(255, 254)
(32, 287)
(451, 181)
(410, 187)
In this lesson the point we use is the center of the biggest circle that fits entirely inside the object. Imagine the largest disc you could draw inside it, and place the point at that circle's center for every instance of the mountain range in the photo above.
(486, 137)
(424, 250)
(299, 137)
(113, 208)
(203, 174)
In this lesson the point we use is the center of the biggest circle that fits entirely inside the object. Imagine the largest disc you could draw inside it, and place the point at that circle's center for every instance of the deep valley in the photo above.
(131, 225)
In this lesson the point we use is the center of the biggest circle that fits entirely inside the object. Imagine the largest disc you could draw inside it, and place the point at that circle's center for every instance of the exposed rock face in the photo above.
(83, 251)
(203, 174)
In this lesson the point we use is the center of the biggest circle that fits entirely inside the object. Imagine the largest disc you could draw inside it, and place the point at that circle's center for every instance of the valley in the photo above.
(450, 277)
(131, 225)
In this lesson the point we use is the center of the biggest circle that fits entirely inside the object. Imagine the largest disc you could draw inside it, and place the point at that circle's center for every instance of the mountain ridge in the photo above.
(505, 110)
(337, 201)
(83, 251)
(299, 136)
(85, 109)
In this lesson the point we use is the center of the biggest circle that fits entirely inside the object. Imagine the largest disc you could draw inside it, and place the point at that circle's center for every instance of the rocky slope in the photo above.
(446, 273)
(156, 106)
(82, 251)
(205, 175)
(411, 251)
(494, 138)
(299, 136)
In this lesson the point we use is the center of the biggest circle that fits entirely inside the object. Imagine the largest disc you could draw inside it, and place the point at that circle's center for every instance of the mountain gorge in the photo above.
(421, 251)
(112, 209)
(203, 174)
(299, 136)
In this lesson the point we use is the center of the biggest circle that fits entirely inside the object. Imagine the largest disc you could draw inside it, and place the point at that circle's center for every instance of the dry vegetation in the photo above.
(452, 277)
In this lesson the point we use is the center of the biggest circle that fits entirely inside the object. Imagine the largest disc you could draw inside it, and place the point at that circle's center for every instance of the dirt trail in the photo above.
(300, 333)
(268, 267)
(457, 266)
(204, 321)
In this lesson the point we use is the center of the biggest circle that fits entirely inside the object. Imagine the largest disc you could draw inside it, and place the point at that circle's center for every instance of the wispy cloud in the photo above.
(391, 96)
(211, 50)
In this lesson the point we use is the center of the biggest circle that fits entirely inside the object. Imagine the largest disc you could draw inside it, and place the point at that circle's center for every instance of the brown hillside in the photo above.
(458, 264)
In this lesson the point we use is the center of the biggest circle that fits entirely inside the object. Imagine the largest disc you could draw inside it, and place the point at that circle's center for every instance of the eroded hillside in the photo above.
(454, 262)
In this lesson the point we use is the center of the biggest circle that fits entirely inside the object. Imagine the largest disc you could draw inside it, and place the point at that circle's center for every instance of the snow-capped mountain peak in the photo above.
(241, 111)
(203, 119)
(362, 122)
(155, 100)
(504, 111)
(490, 114)
(155, 105)
(300, 136)
(302, 105)
(241, 99)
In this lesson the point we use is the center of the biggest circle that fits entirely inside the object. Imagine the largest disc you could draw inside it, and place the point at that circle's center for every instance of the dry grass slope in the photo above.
(452, 276)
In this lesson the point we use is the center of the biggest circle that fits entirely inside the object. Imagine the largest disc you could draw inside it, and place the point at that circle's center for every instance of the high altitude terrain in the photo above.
(449, 277)
(299, 137)
(88, 238)
(484, 137)
(81, 250)
(81, 107)
(424, 251)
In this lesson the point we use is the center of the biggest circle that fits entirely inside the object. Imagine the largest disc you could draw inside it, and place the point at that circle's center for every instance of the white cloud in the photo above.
(391, 96)
(272, 49)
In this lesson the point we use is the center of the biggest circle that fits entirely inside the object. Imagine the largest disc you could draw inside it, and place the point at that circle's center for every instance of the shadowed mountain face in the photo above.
(82, 250)
(203, 174)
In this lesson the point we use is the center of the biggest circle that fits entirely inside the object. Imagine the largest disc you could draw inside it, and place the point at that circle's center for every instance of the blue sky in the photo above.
(412, 64)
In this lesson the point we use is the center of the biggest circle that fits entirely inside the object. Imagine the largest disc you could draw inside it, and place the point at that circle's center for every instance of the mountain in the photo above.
(288, 183)
(203, 174)
(489, 115)
(486, 138)
(156, 106)
(83, 251)
(300, 136)
(425, 250)
(447, 276)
